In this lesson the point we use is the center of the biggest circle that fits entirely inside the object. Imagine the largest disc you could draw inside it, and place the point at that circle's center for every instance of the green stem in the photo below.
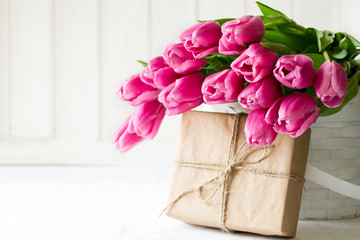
(326, 55)
(224, 67)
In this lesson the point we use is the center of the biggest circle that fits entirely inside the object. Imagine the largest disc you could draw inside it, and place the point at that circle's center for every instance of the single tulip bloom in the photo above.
(295, 71)
(158, 73)
(183, 95)
(135, 91)
(146, 119)
(147, 75)
(245, 30)
(181, 60)
(261, 94)
(202, 39)
(293, 114)
(165, 76)
(331, 84)
(257, 131)
(222, 87)
(124, 139)
(255, 63)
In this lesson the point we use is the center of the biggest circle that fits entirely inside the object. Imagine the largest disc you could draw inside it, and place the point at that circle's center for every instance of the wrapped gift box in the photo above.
(219, 181)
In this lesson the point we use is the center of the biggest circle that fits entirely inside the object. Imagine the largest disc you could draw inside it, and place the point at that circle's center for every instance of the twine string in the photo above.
(235, 161)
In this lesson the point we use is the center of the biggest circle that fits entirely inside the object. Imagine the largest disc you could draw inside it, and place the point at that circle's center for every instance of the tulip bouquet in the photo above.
(287, 75)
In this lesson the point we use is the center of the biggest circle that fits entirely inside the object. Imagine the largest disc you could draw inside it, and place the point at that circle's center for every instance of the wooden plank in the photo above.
(168, 19)
(77, 69)
(214, 9)
(124, 39)
(4, 69)
(30, 66)
(349, 17)
(284, 6)
(321, 14)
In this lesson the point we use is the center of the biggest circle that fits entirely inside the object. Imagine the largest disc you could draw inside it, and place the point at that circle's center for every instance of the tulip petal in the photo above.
(257, 131)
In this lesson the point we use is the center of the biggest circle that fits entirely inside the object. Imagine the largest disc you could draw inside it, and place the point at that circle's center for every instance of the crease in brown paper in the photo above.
(235, 162)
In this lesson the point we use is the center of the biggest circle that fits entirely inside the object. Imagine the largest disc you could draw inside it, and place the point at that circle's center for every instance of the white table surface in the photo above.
(103, 203)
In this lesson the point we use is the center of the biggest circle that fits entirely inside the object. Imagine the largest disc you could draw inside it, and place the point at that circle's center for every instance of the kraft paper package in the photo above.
(219, 181)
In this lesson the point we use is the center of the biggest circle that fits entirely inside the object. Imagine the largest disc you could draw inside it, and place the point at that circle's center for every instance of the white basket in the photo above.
(334, 148)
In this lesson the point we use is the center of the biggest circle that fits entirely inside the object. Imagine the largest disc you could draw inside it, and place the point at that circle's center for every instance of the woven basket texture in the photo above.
(334, 148)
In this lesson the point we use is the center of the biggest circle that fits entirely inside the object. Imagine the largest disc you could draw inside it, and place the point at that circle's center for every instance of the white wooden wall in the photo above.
(61, 62)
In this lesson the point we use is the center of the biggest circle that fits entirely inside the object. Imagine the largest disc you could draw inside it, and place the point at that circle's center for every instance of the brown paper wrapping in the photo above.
(255, 203)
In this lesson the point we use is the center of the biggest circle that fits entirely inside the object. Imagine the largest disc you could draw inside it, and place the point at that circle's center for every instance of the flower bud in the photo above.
(295, 71)
(202, 39)
(245, 30)
(257, 131)
(222, 87)
(293, 114)
(331, 84)
(261, 94)
(255, 63)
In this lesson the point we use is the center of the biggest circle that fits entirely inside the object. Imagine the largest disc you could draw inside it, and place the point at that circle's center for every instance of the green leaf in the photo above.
(216, 61)
(288, 25)
(224, 20)
(279, 48)
(313, 48)
(267, 11)
(351, 92)
(356, 53)
(230, 58)
(324, 38)
(283, 24)
(346, 44)
(275, 19)
(338, 53)
(295, 29)
(295, 42)
(311, 91)
(207, 72)
(347, 66)
(286, 91)
(339, 36)
(327, 39)
(353, 40)
(142, 63)
(317, 58)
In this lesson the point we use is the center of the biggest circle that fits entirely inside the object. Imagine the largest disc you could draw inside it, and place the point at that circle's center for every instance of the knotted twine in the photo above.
(234, 162)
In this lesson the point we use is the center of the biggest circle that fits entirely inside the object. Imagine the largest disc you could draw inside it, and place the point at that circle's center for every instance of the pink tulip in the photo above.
(165, 76)
(181, 60)
(293, 114)
(257, 131)
(147, 75)
(295, 71)
(255, 63)
(331, 84)
(124, 139)
(158, 73)
(146, 119)
(202, 39)
(222, 87)
(183, 95)
(245, 30)
(136, 91)
(261, 94)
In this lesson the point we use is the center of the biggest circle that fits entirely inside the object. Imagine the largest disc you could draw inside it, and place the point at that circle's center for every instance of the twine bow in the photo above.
(235, 161)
